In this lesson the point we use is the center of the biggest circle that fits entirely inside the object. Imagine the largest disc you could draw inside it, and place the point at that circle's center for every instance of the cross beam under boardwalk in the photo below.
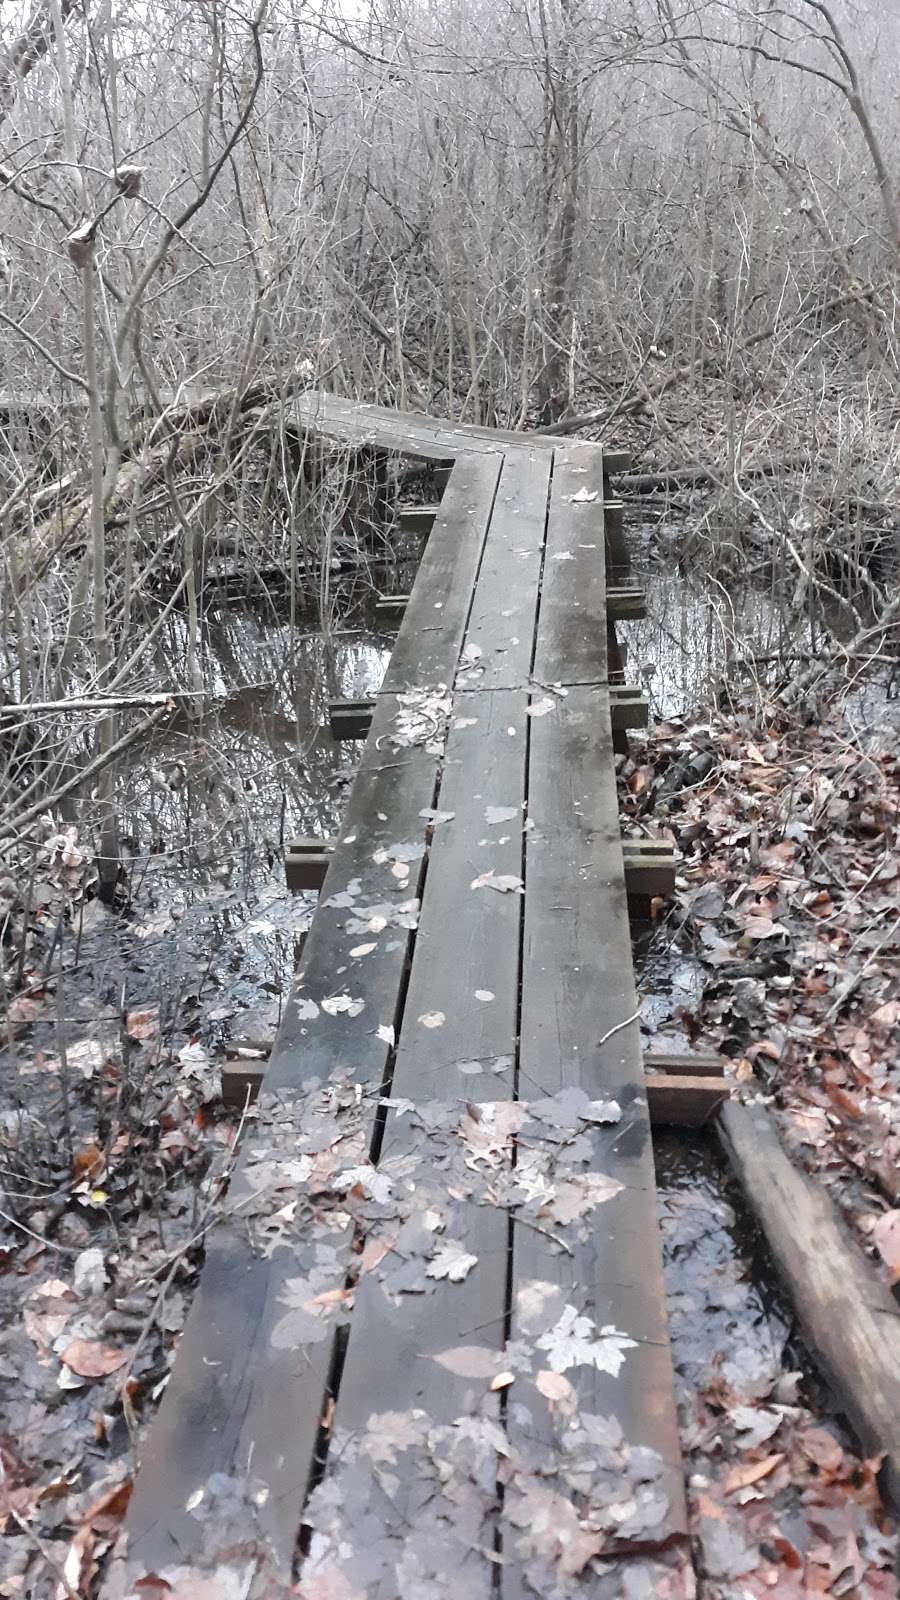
(429, 1343)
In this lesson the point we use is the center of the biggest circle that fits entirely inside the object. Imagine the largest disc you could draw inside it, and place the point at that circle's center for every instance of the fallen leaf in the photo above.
(432, 1019)
(502, 1380)
(142, 1024)
(496, 814)
(338, 1003)
(89, 1358)
(572, 1343)
(553, 1386)
(742, 1477)
(452, 1261)
(503, 882)
(468, 1361)
(762, 928)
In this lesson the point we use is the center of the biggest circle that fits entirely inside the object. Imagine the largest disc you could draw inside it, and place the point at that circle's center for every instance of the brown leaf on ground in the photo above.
(90, 1358)
(742, 1477)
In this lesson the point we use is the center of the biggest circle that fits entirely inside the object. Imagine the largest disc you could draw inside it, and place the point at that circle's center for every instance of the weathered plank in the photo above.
(500, 635)
(237, 1404)
(625, 602)
(306, 861)
(628, 707)
(350, 719)
(649, 866)
(460, 1014)
(435, 618)
(850, 1319)
(694, 1063)
(682, 1100)
(571, 636)
(358, 425)
(414, 433)
(577, 987)
(318, 1323)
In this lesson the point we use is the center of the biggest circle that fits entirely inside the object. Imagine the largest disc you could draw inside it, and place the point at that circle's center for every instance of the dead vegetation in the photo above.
(671, 227)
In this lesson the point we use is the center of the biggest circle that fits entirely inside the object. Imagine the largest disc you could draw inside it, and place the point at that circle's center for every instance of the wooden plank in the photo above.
(359, 425)
(629, 708)
(434, 622)
(466, 970)
(500, 634)
(682, 1101)
(616, 654)
(350, 719)
(237, 1403)
(649, 866)
(242, 1078)
(571, 640)
(578, 986)
(391, 606)
(625, 602)
(849, 1317)
(414, 433)
(683, 1061)
(618, 556)
(306, 861)
(417, 519)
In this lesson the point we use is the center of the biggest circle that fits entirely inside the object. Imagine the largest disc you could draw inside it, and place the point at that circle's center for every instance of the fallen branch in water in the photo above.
(15, 825)
(111, 702)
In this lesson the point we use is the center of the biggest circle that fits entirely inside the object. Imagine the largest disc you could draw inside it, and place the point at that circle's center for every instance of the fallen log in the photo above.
(850, 1320)
(161, 443)
(700, 477)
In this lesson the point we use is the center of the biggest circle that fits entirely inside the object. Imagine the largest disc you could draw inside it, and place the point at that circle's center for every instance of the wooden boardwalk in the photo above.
(428, 1354)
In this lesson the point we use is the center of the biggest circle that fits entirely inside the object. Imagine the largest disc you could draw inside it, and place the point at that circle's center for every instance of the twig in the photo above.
(618, 1027)
(16, 824)
(101, 702)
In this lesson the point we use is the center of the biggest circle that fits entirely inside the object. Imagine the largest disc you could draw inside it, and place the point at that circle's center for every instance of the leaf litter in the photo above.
(578, 1496)
(786, 907)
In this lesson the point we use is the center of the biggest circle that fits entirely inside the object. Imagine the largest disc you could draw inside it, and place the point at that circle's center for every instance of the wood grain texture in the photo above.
(501, 630)
(683, 1100)
(496, 995)
(466, 969)
(577, 984)
(571, 635)
(434, 621)
(850, 1319)
(235, 1400)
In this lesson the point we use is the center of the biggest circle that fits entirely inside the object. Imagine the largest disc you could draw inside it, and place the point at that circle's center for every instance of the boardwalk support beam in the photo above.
(628, 707)
(649, 867)
(417, 519)
(350, 719)
(306, 862)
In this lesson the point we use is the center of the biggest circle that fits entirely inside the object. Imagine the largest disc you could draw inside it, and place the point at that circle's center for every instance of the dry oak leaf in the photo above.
(89, 1358)
(742, 1477)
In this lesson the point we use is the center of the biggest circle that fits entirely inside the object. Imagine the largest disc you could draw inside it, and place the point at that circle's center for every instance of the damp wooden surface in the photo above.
(468, 968)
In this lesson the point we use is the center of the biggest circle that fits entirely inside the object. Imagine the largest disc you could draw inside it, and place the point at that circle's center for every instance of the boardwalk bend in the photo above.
(428, 1353)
